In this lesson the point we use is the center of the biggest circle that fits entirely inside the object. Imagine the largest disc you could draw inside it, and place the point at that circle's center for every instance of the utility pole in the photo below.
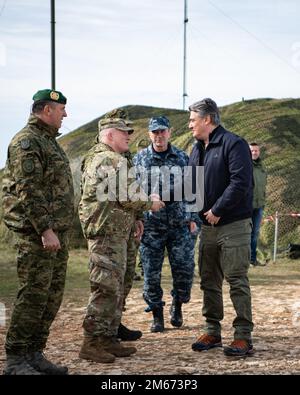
(52, 6)
(184, 53)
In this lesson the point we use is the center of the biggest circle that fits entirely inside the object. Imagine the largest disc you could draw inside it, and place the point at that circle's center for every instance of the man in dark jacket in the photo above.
(224, 249)
(259, 199)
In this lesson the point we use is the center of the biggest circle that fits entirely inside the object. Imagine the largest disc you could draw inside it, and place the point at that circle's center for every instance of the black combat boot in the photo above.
(126, 334)
(38, 361)
(18, 365)
(176, 313)
(158, 320)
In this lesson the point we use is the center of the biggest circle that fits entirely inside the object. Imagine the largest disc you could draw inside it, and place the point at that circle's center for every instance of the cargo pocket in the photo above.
(208, 258)
(105, 279)
(235, 259)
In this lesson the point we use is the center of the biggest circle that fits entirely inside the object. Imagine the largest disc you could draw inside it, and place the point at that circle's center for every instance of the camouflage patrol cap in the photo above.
(116, 119)
(50, 95)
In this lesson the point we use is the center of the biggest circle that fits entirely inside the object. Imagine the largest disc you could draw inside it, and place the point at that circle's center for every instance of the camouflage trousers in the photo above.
(224, 251)
(41, 285)
(180, 247)
(112, 267)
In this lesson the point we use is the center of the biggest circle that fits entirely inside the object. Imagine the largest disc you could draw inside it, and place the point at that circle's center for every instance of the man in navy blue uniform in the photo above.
(170, 228)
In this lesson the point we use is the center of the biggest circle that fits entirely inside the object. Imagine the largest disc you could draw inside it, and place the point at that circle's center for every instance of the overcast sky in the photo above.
(112, 53)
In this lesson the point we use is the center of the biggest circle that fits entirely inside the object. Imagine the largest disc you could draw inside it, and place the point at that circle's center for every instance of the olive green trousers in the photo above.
(224, 252)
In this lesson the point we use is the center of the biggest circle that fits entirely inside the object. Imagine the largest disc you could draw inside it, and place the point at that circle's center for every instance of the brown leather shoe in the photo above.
(239, 348)
(92, 350)
(113, 346)
(206, 342)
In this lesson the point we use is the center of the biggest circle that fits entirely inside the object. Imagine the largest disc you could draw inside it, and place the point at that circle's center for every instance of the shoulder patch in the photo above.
(25, 143)
(28, 166)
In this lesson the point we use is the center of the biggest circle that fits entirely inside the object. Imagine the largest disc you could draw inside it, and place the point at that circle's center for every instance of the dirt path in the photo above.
(276, 338)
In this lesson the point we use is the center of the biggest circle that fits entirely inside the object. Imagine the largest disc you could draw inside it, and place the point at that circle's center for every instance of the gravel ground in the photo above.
(276, 311)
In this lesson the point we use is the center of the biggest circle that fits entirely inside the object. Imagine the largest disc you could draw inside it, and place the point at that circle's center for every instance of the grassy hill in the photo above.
(273, 123)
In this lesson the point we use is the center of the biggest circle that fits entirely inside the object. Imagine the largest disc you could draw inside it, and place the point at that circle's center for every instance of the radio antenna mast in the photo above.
(52, 6)
(184, 54)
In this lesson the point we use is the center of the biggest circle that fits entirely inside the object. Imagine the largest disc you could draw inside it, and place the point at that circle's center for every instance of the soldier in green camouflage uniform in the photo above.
(38, 205)
(109, 223)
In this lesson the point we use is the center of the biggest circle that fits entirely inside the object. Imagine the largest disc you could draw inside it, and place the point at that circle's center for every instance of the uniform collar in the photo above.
(43, 126)
(103, 147)
(257, 162)
(170, 151)
(127, 155)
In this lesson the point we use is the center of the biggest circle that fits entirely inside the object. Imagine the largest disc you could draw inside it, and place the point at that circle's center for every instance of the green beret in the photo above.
(51, 95)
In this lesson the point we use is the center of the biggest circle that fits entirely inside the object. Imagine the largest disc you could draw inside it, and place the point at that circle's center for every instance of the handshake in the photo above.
(157, 204)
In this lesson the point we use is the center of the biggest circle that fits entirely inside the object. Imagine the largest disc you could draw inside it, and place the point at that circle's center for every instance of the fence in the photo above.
(275, 126)
(275, 219)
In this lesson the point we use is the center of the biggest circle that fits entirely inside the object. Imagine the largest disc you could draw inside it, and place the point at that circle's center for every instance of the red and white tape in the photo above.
(271, 218)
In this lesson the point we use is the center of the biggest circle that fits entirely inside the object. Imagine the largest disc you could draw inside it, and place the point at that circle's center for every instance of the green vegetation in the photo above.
(284, 271)
(77, 283)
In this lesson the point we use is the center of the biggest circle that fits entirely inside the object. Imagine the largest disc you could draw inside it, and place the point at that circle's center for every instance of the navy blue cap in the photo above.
(158, 123)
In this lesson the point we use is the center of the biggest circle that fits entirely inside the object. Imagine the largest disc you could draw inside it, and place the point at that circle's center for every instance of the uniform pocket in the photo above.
(107, 280)
(235, 260)
(235, 248)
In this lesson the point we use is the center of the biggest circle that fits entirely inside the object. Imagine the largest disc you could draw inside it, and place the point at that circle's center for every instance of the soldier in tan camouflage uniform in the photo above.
(109, 223)
(38, 206)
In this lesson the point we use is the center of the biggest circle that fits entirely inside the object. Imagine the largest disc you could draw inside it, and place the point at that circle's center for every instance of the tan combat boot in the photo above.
(113, 346)
(92, 350)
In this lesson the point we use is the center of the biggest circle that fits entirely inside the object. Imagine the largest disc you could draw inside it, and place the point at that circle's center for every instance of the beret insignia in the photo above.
(54, 95)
